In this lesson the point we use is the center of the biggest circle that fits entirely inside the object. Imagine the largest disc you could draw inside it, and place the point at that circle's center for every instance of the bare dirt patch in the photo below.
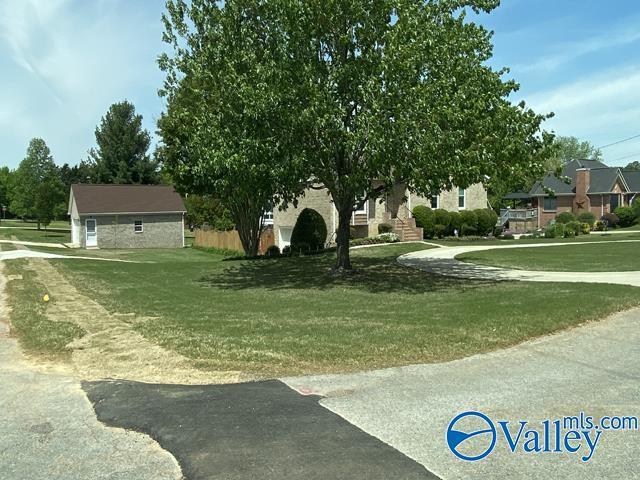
(111, 347)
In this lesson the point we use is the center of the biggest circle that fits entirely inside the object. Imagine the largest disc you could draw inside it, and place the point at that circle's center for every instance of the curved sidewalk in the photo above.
(442, 262)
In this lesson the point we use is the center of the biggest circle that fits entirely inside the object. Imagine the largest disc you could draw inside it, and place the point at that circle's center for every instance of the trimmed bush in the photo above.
(497, 231)
(586, 228)
(600, 226)
(440, 230)
(574, 227)
(425, 219)
(385, 228)
(587, 217)
(272, 251)
(468, 230)
(550, 232)
(507, 236)
(487, 220)
(310, 231)
(611, 219)
(470, 219)
(455, 222)
(442, 217)
(389, 237)
(626, 215)
(565, 217)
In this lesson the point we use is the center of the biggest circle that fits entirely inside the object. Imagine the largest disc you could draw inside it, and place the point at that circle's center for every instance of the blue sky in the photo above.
(63, 62)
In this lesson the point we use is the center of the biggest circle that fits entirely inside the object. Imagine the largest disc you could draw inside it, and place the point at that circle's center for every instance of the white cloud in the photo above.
(65, 61)
(567, 52)
(602, 108)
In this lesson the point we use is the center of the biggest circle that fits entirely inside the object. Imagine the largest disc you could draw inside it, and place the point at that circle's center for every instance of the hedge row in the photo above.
(441, 223)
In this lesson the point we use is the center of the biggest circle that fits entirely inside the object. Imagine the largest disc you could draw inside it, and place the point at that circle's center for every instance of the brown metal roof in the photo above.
(96, 199)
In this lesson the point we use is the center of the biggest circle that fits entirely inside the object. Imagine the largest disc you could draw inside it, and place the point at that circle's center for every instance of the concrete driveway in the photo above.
(442, 261)
(594, 369)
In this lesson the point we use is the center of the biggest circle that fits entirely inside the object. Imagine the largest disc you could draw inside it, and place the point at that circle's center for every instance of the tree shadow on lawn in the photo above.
(374, 274)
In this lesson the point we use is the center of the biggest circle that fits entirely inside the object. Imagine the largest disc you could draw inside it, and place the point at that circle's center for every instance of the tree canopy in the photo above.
(340, 94)
(571, 148)
(35, 169)
(122, 145)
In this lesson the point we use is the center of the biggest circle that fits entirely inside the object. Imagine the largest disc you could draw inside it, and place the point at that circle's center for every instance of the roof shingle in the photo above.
(102, 199)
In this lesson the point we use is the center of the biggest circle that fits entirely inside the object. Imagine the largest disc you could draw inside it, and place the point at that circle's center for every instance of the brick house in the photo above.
(126, 216)
(394, 209)
(584, 186)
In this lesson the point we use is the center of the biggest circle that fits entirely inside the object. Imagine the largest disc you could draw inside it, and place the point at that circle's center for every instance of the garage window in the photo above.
(137, 226)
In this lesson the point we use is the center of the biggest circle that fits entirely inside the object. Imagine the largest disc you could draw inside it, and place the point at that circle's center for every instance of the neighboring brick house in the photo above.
(592, 187)
(126, 216)
(394, 209)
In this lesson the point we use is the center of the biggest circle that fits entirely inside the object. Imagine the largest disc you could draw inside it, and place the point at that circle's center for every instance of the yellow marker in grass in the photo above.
(45, 298)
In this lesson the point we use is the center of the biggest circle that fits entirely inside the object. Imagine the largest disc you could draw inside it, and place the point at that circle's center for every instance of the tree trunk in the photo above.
(248, 220)
(343, 261)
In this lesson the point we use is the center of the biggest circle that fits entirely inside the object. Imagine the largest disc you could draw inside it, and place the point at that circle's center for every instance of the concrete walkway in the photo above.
(16, 254)
(442, 262)
(595, 369)
(34, 244)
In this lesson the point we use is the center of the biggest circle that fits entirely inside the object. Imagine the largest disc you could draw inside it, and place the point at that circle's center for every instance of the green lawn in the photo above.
(291, 316)
(28, 235)
(598, 257)
(61, 224)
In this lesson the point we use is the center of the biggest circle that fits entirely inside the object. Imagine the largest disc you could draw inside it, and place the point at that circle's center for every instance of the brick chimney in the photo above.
(582, 202)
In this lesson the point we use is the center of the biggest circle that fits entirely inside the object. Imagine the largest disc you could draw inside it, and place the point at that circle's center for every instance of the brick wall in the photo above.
(159, 231)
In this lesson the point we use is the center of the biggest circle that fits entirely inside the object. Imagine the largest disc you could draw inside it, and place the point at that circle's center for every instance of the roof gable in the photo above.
(551, 182)
(632, 177)
(105, 199)
(603, 180)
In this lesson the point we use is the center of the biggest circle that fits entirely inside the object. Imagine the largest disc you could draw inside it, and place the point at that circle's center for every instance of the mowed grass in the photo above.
(597, 257)
(38, 335)
(30, 235)
(291, 316)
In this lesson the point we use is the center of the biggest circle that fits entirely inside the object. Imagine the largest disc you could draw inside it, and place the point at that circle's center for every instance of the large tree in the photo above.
(397, 91)
(35, 170)
(121, 155)
(227, 108)
(571, 148)
(5, 187)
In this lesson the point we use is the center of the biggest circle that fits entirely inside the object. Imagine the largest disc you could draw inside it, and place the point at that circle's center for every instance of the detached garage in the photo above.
(126, 216)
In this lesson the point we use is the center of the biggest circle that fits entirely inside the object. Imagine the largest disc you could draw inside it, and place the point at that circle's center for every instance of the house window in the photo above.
(137, 226)
(462, 198)
(435, 201)
(550, 204)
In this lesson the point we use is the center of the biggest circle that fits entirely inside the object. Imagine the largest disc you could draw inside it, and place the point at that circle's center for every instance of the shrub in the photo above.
(507, 236)
(455, 222)
(389, 237)
(600, 226)
(469, 222)
(352, 233)
(497, 231)
(442, 217)
(440, 230)
(587, 217)
(574, 227)
(550, 232)
(565, 217)
(425, 219)
(586, 228)
(487, 220)
(611, 219)
(310, 230)
(272, 251)
(626, 215)
(468, 230)
(286, 250)
(385, 228)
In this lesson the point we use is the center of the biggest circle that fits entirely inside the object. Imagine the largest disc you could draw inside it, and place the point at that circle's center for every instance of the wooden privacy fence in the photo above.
(230, 240)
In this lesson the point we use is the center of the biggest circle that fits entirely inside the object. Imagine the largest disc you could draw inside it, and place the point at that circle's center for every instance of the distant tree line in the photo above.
(39, 189)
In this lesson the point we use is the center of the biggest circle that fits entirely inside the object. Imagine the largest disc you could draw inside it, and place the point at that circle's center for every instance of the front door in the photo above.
(92, 232)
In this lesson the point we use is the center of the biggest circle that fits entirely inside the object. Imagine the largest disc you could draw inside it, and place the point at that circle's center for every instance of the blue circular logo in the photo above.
(471, 436)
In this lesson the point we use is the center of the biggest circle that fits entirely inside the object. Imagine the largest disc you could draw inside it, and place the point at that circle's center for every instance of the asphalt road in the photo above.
(256, 430)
